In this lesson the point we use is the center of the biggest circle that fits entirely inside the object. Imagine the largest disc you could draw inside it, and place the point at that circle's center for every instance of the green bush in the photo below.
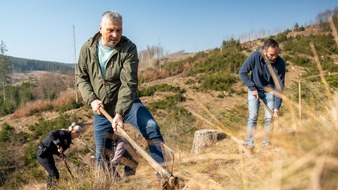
(282, 37)
(7, 107)
(71, 105)
(229, 61)
(324, 44)
(218, 81)
(301, 61)
(30, 155)
(6, 132)
(232, 43)
(7, 163)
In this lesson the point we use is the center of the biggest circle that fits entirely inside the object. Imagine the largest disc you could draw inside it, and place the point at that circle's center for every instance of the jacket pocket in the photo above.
(41, 150)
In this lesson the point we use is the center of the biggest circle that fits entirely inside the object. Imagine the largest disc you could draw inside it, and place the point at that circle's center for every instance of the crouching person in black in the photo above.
(55, 143)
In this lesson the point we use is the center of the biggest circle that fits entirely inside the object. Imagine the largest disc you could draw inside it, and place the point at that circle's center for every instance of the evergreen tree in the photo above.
(5, 65)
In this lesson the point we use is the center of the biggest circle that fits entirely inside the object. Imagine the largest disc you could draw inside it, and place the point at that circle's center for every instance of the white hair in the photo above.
(74, 127)
(113, 16)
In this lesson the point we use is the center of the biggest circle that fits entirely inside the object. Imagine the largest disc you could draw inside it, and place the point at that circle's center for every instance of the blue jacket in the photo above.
(260, 76)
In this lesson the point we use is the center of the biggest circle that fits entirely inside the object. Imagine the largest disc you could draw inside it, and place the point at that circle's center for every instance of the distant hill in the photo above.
(21, 65)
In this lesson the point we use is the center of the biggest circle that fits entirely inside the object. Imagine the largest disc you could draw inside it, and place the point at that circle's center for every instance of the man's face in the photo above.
(111, 33)
(271, 54)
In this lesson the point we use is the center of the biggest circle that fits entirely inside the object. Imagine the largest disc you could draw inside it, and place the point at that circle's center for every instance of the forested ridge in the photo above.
(28, 65)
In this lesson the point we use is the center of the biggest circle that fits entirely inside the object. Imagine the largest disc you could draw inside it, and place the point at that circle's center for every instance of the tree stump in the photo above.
(205, 138)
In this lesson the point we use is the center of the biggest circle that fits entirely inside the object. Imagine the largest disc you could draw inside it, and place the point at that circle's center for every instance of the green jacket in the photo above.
(117, 90)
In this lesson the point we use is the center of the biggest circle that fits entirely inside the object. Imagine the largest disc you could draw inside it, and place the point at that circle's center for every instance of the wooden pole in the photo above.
(300, 101)
(163, 172)
(75, 63)
(266, 107)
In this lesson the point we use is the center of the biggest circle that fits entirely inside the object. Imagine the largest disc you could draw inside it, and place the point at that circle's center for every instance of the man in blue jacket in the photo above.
(267, 71)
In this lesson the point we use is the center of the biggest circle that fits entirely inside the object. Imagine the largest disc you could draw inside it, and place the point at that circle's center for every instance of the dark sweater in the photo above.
(260, 76)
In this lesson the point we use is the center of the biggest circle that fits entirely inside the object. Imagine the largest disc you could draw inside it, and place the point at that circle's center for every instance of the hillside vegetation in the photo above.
(21, 65)
(201, 91)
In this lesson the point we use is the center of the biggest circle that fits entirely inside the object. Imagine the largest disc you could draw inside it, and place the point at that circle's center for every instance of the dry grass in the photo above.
(301, 157)
(38, 106)
(30, 108)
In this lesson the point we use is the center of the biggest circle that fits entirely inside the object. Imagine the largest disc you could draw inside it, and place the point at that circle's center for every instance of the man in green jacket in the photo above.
(106, 76)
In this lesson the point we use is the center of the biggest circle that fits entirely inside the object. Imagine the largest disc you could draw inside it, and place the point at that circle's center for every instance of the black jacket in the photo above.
(58, 137)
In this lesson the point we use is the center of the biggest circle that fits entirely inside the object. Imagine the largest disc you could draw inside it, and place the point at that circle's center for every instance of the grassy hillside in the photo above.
(201, 91)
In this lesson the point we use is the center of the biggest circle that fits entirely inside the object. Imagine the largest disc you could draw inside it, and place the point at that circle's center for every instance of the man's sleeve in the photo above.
(55, 137)
(244, 71)
(83, 79)
(129, 82)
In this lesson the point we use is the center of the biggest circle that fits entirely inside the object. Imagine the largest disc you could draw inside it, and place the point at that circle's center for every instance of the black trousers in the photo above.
(47, 161)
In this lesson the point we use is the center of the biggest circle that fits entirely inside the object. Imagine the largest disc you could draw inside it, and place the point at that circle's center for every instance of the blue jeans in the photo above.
(138, 117)
(253, 108)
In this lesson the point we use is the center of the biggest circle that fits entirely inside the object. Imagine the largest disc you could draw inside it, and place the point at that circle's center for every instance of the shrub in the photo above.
(30, 155)
(218, 81)
(6, 132)
(301, 61)
(7, 163)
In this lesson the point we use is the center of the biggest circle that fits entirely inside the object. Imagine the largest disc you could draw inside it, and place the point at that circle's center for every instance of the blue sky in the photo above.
(43, 30)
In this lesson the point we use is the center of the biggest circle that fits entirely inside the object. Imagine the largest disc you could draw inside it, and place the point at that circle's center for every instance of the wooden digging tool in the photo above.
(266, 107)
(275, 121)
(171, 182)
(66, 164)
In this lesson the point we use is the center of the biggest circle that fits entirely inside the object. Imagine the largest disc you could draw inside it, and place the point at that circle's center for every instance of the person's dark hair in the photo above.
(271, 43)
(111, 16)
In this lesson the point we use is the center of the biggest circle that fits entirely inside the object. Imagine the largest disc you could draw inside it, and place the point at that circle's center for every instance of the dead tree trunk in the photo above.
(205, 138)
